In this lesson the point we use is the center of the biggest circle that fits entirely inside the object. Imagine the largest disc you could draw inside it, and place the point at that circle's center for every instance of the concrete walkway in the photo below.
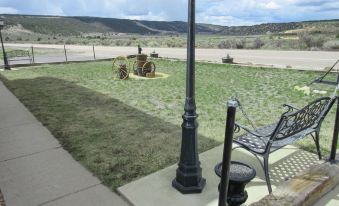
(35, 170)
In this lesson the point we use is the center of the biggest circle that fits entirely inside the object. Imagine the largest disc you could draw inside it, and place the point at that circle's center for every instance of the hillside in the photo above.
(77, 25)
(310, 35)
(65, 26)
(261, 29)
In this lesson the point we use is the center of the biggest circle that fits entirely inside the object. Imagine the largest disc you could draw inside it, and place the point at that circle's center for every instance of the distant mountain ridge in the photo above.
(54, 25)
(78, 25)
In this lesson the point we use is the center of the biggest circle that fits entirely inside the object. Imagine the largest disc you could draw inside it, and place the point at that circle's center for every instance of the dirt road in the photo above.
(306, 60)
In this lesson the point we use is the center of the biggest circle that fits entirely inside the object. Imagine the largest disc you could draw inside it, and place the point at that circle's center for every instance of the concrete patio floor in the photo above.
(156, 188)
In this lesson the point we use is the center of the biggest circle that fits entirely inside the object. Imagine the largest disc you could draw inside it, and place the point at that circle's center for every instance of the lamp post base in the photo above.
(190, 189)
(189, 173)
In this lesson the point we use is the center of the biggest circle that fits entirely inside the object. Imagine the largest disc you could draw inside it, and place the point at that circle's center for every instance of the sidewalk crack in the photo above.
(69, 194)
(31, 154)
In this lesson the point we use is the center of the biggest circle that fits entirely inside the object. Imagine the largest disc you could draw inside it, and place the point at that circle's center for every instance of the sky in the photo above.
(220, 12)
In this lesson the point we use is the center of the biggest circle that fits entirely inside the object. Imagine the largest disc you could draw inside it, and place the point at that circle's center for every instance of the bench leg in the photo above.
(317, 144)
(267, 175)
(265, 167)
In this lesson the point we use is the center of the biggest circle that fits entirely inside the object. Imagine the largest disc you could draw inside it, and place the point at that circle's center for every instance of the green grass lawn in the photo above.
(123, 130)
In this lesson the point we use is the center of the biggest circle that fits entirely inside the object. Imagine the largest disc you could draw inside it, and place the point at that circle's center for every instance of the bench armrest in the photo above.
(290, 107)
(239, 126)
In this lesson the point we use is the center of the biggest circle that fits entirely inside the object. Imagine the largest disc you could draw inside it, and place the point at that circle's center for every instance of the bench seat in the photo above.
(258, 144)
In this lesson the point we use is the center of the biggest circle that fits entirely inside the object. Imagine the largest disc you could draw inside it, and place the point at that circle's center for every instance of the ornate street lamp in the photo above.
(2, 24)
(188, 175)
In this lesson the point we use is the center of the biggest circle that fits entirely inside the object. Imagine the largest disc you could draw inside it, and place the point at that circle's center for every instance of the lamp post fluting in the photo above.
(189, 173)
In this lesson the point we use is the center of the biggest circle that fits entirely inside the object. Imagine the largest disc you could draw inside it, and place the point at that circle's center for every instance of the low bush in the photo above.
(128, 43)
(240, 44)
(331, 45)
(70, 41)
(311, 41)
(153, 44)
(117, 43)
(258, 43)
(225, 44)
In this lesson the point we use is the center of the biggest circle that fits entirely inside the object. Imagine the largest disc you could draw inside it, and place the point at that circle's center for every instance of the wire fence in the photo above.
(59, 53)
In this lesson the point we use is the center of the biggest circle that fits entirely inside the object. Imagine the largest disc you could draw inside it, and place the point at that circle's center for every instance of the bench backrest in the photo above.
(310, 116)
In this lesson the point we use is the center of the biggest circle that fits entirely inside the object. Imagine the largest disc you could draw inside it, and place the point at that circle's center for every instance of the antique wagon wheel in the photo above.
(149, 67)
(120, 68)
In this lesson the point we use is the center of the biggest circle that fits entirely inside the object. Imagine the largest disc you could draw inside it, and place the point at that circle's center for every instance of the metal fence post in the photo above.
(65, 53)
(33, 58)
(94, 53)
(226, 159)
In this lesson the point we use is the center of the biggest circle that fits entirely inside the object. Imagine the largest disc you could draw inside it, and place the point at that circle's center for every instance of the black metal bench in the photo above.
(293, 125)
(19, 55)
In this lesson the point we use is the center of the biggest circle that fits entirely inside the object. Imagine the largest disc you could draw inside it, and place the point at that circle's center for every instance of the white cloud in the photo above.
(225, 12)
(149, 16)
(272, 5)
(8, 10)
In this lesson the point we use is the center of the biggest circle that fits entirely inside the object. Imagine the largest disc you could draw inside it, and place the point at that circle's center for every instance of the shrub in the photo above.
(258, 43)
(69, 41)
(332, 45)
(240, 44)
(19, 39)
(278, 44)
(222, 45)
(39, 39)
(225, 44)
(108, 43)
(117, 43)
(170, 43)
(128, 43)
(7, 39)
(337, 36)
(153, 44)
(311, 41)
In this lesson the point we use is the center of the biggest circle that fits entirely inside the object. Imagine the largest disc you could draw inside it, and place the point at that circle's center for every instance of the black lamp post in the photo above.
(188, 175)
(2, 24)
